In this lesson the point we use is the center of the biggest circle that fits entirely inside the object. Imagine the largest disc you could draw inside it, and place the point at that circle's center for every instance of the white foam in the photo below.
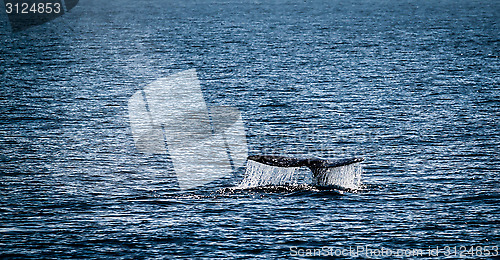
(259, 174)
(345, 177)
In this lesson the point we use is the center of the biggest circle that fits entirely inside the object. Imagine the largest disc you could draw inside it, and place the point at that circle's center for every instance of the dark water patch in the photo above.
(410, 86)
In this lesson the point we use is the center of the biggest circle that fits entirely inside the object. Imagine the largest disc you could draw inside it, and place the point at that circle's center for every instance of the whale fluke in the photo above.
(340, 173)
(279, 161)
(311, 163)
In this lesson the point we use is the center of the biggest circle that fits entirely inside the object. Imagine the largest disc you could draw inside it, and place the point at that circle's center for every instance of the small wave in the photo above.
(488, 198)
(289, 190)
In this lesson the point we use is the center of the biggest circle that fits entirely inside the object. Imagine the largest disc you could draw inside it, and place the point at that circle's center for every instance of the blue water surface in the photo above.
(412, 86)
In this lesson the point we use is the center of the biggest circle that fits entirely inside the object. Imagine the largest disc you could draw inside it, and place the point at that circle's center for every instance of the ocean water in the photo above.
(411, 86)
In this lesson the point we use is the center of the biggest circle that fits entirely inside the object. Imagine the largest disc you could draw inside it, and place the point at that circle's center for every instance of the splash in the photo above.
(343, 177)
(259, 175)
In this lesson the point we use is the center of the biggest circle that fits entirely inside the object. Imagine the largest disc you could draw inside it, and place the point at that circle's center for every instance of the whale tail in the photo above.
(279, 170)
